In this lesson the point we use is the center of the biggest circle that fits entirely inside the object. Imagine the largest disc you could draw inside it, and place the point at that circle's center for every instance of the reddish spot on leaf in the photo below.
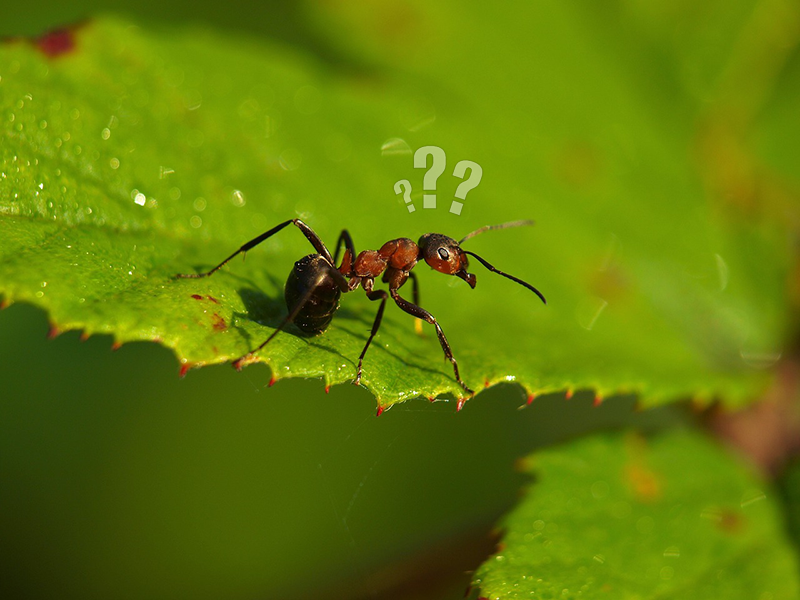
(569, 394)
(54, 332)
(116, 345)
(460, 404)
(56, 43)
(731, 522)
(84, 336)
(531, 398)
(380, 411)
(212, 299)
(3, 303)
(578, 164)
(327, 388)
(432, 398)
(486, 383)
(184, 369)
(197, 296)
(598, 400)
(645, 483)
(272, 381)
(219, 322)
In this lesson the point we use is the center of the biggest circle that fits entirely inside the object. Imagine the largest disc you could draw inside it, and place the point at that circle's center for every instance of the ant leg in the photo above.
(415, 296)
(421, 313)
(414, 287)
(312, 237)
(340, 281)
(344, 238)
(372, 295)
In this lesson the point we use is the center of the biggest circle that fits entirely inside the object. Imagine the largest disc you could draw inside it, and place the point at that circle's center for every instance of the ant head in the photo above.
(443, 254)
(446, 255)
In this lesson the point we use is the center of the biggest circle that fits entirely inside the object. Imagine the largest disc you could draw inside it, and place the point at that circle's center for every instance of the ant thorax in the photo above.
(398, 255)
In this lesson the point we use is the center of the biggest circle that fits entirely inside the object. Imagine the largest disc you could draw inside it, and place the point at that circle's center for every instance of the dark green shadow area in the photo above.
(122, 480)
(789, 487)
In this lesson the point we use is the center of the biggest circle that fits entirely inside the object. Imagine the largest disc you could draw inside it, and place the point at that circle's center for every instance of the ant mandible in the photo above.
(315, 284)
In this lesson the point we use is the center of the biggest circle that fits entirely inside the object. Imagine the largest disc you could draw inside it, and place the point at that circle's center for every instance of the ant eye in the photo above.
(444, 254)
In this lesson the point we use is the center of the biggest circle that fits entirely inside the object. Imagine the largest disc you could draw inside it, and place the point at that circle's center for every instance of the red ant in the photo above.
(315, 284)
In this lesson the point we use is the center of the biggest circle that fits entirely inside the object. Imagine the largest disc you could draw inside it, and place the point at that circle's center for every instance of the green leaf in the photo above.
(623, 517)
(143, 153)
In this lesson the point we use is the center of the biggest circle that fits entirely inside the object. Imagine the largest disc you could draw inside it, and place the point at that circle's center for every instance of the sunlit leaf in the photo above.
(141, 153)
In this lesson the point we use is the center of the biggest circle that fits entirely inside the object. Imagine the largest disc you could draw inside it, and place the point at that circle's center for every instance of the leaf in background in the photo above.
(140, 154)
(623, 517)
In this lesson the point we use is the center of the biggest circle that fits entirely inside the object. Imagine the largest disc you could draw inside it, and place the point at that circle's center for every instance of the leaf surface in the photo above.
(144, 152)
(616, 516)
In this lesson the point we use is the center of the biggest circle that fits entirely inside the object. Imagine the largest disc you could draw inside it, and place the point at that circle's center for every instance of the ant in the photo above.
(315, 284)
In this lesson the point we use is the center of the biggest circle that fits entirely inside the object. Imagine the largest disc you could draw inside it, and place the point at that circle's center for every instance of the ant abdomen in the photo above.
(312, 272)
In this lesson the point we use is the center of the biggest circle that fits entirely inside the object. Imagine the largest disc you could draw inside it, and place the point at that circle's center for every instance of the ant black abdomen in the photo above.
(315, 284)
(312, 273)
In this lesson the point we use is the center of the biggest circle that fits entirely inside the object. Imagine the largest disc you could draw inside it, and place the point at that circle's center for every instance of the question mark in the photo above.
(398, 189)
(475, 175)
(437, 168)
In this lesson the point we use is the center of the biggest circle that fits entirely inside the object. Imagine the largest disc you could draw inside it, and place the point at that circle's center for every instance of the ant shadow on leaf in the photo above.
(413, 365)
(271, 311)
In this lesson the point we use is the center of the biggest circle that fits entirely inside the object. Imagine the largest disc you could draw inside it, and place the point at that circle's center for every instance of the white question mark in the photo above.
(437, 168)
(398, 189)
(475, 175)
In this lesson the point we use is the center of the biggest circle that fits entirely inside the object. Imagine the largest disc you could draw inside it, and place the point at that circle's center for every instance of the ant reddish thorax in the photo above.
(315, 284)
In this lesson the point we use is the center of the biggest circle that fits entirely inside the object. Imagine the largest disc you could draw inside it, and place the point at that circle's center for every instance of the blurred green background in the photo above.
(118, 480)
(121, 480)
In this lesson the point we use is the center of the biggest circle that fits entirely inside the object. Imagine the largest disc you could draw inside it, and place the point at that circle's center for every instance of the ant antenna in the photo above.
(492, 227)
(492, 268)
(506, 275)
